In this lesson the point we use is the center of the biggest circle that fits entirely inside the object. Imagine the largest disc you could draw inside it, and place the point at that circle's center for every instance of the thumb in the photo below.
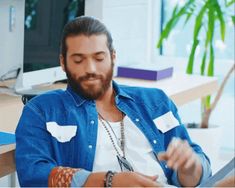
(162, 156)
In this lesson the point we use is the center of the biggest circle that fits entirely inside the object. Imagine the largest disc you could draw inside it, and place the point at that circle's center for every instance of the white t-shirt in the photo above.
(137, 149)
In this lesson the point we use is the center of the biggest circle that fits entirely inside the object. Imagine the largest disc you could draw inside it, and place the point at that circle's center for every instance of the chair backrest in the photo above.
(26, 97)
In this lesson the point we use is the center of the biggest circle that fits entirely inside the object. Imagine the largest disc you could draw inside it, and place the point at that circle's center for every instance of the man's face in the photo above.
(89, 65)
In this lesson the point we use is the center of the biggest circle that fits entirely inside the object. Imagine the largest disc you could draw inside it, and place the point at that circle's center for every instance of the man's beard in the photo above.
(90, 92)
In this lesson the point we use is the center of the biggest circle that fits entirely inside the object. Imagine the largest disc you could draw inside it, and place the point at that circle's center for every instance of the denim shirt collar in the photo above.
(79, 100)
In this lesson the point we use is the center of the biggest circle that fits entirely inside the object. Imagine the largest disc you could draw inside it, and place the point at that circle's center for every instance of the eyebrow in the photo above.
(101, 52)
(81, 55)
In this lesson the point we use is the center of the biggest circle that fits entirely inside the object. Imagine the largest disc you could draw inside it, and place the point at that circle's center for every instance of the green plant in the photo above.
(206, 14)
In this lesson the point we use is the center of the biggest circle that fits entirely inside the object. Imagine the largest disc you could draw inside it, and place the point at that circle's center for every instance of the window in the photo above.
(180, 40)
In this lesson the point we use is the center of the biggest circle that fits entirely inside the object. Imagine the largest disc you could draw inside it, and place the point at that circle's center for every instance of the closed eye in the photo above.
(78, 62)
(99, 59)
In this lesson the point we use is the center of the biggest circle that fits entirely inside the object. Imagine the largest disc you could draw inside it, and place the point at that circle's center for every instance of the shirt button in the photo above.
(90, 146)
(166, 166)
(92, 122)
(154, 141)
(137, 119)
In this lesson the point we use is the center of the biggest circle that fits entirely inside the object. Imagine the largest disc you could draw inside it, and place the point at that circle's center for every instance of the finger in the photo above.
(187, 155)
(153, 178)
(162, 156)
(145, 182)
(178, 148)
(173, 160)
(190, 163)
(154, 184)
(174, 144)
(183, 154)
(170, 150)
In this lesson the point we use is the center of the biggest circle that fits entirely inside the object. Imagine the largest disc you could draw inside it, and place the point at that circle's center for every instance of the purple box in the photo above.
(144, 74)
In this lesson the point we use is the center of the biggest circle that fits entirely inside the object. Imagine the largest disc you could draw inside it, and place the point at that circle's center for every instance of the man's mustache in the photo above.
(89, 76)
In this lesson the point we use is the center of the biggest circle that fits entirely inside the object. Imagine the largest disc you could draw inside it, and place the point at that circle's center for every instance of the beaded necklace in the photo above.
(124, 164)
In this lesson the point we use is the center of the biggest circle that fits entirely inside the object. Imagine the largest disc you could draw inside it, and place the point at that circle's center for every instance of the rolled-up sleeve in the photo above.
(206, 171)
(34, 158)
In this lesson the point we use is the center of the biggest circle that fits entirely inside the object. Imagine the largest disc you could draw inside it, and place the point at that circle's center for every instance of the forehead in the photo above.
(86, 44)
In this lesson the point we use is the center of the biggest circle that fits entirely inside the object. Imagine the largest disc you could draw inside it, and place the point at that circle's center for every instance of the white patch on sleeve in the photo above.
(60, 132)
(166, 122)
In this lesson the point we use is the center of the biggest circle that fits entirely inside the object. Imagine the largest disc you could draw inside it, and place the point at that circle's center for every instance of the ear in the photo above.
(62, 62)
(113, 56)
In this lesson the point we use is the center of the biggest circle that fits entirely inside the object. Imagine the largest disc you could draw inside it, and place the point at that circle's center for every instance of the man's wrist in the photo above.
(95, 179)
(108, 181)
(194, 174)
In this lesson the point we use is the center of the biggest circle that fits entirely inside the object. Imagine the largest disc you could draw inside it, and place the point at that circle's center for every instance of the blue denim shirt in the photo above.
(38, 152)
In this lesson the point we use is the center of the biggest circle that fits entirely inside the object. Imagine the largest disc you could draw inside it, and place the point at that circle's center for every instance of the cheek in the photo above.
(73, 67)
(73, 71)
(108, 69)
(105, 67)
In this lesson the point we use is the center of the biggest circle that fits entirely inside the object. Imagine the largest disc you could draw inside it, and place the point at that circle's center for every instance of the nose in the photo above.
(90, 66)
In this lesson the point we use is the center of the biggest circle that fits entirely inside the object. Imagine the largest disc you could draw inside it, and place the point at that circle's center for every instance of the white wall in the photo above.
(11, 35)
(131, 24)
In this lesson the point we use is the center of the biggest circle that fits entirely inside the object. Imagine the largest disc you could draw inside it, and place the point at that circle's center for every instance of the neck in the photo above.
(107, 99)
(106, 106)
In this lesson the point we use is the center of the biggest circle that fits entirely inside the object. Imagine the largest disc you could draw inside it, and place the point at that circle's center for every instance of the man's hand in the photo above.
(123, 179)
(182, 158)
(133, 179)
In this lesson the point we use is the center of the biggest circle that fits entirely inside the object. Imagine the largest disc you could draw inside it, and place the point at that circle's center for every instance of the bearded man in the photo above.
(98, 133)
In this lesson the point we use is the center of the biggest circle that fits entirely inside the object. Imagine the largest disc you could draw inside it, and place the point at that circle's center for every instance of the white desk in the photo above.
(181, 88)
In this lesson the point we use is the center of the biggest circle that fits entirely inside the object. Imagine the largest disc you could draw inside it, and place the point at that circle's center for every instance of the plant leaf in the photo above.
(233, 19)
(203, 64)
(210, 36)
(208, 102)
(221, 19)
(166, 31)
(175, 10)
(190, 13)
(191, 57)
(230, 3)
(188, 18)
(197, 28)
(211, 62)
(173, 21)
(169, 26)
(211, 24)
(198, 22)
